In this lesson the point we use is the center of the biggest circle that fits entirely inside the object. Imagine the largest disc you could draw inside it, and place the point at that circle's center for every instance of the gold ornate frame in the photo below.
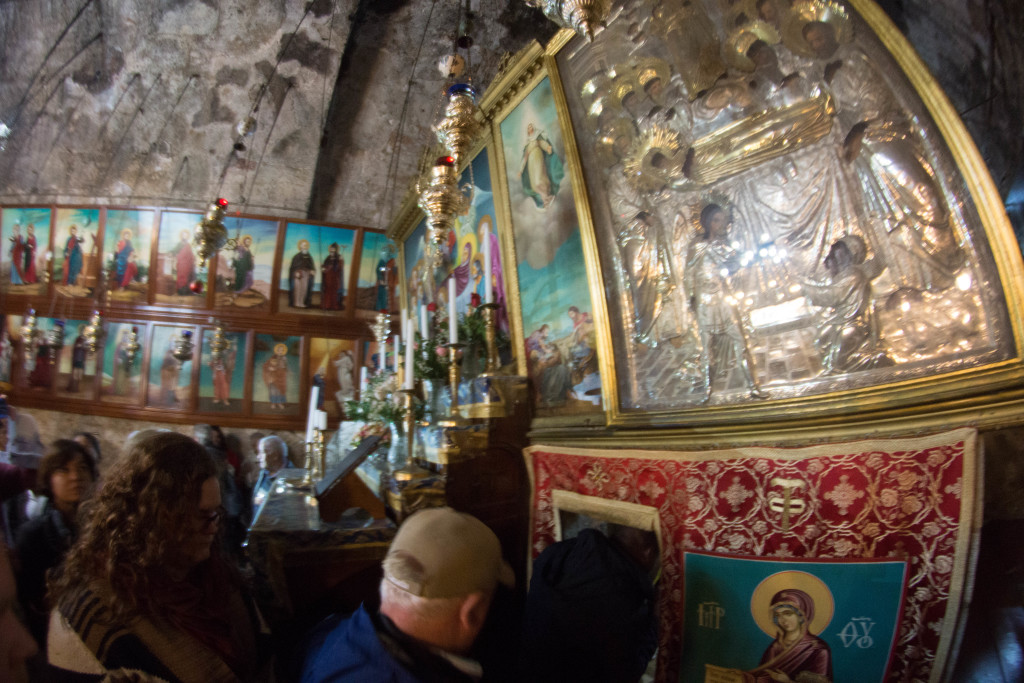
(508, 90)
(991, 395)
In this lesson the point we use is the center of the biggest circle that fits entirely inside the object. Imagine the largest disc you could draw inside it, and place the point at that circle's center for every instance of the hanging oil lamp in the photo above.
(29, 326)
(458, 128)
(210, 235)
(183, 346)
(218, 344)
(583, 16)
(56, 338)
(131, 347)
(93, 332)
(442, 200)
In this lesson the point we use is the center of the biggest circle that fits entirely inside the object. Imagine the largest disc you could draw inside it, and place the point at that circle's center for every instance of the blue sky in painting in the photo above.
(551, 290)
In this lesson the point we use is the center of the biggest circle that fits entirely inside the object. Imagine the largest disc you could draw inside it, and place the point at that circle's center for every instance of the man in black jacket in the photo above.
(590, 612)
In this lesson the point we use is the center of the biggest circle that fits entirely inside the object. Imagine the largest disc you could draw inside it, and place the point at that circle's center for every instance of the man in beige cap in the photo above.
(440, 575)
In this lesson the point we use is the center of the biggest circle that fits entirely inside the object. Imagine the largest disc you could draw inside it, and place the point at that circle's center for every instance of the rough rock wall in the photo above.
(138, 102)
(974, 50)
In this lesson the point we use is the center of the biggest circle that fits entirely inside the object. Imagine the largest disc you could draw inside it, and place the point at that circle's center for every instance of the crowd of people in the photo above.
(138, 574)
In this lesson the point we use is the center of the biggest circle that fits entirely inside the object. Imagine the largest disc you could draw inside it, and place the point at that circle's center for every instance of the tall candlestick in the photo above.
(424, 327)
(405, 321)
(363, 371)
(409, 365)
(453, 323)
(397, 343)
(488, 294)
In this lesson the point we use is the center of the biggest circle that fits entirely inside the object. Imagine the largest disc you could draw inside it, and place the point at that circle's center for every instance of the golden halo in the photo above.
(806, 11)
(185, 235)
(470, 239)
(280, 350)
(639, 168)
(127, 232)
(301, 242)
(650, 68)
(244, 238)
(739, 14)
(620, 127)
(740, 41)
(622, 87)
(707, 198)
(761, 600)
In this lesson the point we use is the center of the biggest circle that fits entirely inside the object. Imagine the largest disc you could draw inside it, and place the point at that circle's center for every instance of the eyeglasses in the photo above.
(210, 518)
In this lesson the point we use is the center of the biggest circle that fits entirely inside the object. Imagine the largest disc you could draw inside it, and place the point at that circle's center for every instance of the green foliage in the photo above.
(473, 333)
(431, 357)
(381, 402)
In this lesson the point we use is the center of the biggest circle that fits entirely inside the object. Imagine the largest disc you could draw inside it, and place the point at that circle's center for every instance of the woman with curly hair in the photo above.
(145, 589)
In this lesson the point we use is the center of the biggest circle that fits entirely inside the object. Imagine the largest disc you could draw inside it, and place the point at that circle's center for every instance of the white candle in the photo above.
(453, 325)
(409, 366)
(405, 318)
(321, 420)
(394, 360)
(314, 398)
(488, 294)
(362, 381)
(424, 324)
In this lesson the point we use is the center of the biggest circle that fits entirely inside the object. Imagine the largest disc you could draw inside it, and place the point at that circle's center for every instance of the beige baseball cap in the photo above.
(441, 553)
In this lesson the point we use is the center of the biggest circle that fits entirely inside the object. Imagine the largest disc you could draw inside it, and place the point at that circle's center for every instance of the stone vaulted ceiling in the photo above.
(138, 102)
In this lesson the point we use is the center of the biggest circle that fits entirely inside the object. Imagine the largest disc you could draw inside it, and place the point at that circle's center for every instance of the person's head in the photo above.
(16, 645)
(254, 440)
(304, 246)
(574, 313)
(89, 442)
(838, 258)
(762, 55)
(529, 129)
(821, 38)
(440, 575)
(767, 12)
(156, 516)
(209, 435)
(17, 228)
(333, 248)
(545, 329)
(31, 229)
(247, 241)
(73, 230)
(792, 611)
(272, 453)
(654, 88)
(126, 234)
(641, 546)
(714, 220)
(66, 474)
(184, 235)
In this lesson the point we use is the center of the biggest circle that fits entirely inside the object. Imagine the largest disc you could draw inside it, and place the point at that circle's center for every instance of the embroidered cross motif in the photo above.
(785, 503)
(597, 476)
